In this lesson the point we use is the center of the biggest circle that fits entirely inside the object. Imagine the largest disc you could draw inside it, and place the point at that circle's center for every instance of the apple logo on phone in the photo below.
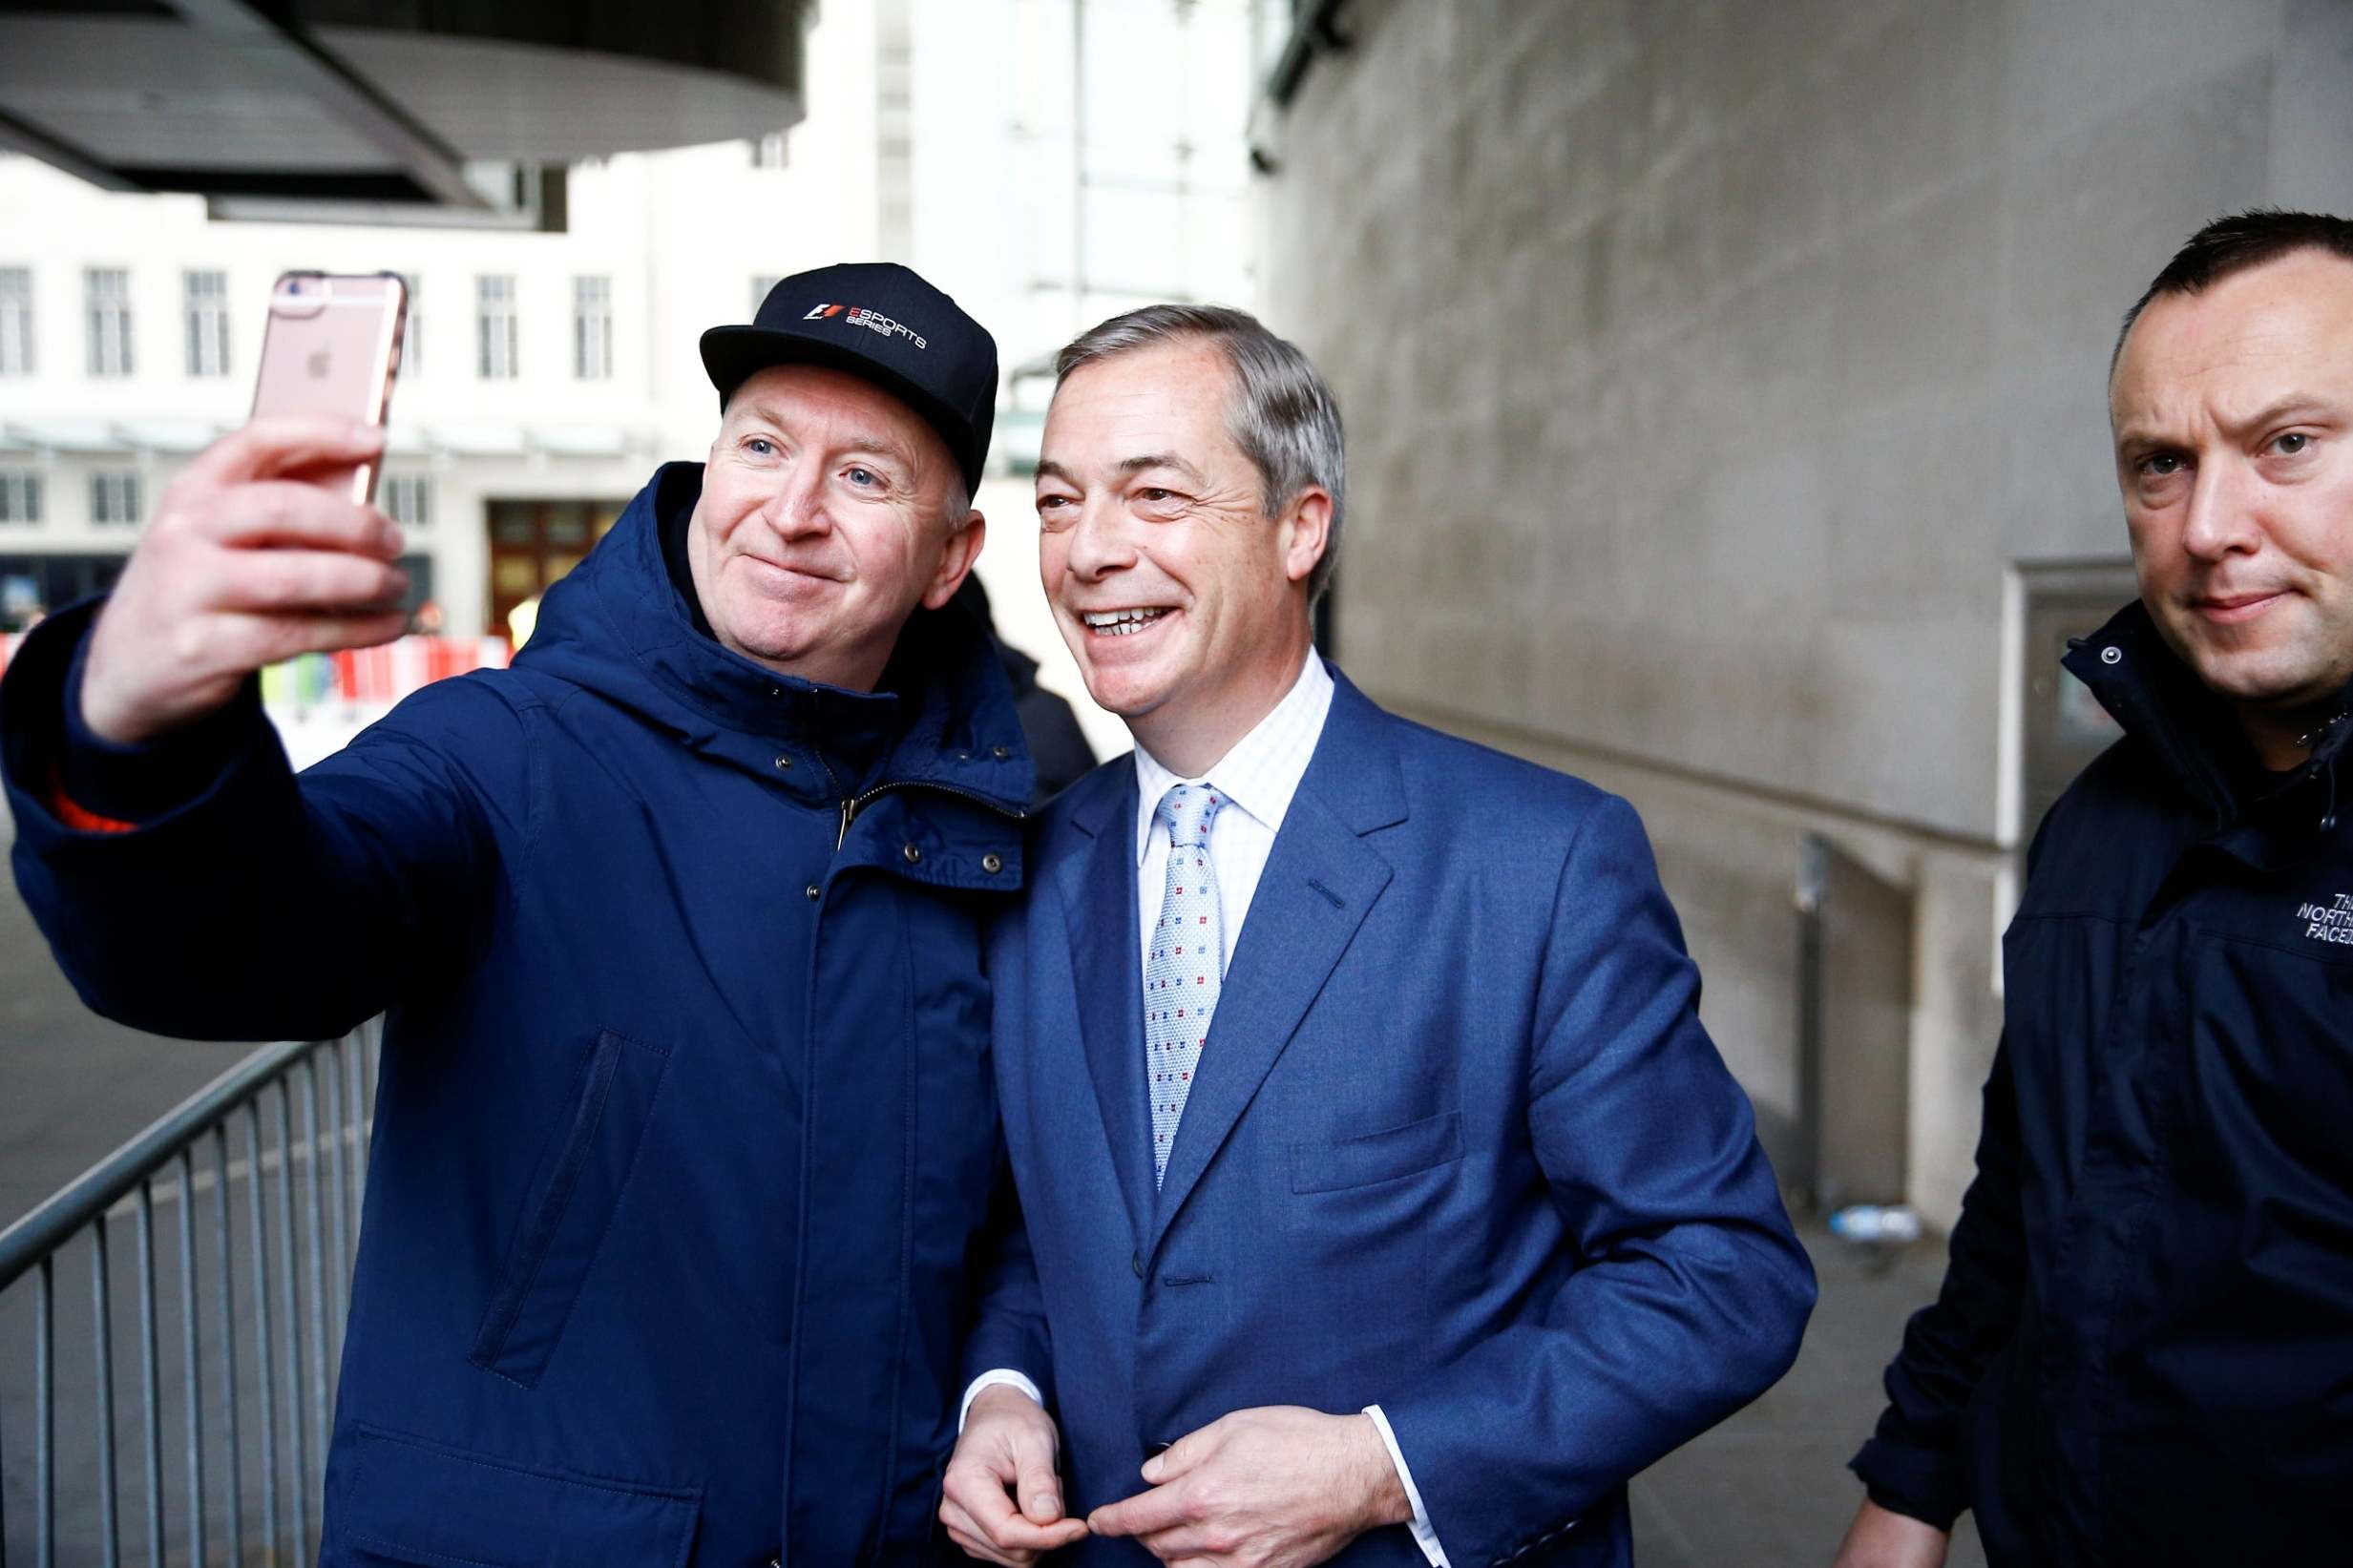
(317, 363)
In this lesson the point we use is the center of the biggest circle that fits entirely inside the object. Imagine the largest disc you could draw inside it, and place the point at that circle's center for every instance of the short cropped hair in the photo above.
(2238, 243)
(1281, 414)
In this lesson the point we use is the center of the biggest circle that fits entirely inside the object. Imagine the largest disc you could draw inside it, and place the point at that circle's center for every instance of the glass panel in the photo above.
(516, 576)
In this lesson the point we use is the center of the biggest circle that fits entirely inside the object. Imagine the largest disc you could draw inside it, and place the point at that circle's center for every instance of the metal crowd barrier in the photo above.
(267, 1223)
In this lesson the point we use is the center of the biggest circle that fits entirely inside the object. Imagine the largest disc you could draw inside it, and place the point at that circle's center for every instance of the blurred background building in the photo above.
(551, 359)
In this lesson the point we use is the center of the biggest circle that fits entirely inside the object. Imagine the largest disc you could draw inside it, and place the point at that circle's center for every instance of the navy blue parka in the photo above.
(2143, 1349)
(685, 1124)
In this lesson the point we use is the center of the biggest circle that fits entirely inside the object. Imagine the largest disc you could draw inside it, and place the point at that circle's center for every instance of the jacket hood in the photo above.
(2160, 701)
(617, 625)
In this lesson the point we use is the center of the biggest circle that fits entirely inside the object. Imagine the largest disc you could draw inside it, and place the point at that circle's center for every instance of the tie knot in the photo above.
(1188, 809)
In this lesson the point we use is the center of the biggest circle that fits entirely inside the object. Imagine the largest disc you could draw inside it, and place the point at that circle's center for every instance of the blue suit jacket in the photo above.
(1458, 1146)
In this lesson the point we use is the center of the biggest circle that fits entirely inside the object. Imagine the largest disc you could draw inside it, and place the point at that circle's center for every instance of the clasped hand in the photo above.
(1277, 1487)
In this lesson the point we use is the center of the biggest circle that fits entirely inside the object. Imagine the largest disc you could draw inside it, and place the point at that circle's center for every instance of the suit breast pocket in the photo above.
(1368, 1158)
(572, 1201)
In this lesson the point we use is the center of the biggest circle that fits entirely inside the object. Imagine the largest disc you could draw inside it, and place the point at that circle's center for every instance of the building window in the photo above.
(407, 499)
(495, 320)
(109, 290)
(20, 496)
(114, 496)
(413, 327)
(592, 328)
(208, 323)
(768, 152)
(761, 283)
(16, 320)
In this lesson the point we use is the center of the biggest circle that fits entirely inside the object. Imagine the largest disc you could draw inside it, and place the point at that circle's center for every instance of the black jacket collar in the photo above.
(2194, 733)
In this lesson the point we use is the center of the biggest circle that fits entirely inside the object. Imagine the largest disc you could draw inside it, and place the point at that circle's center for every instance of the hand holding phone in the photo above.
(265, 546)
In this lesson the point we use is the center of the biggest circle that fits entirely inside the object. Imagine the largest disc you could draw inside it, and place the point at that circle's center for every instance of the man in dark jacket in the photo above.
(685, 1124)
(2143, 1350)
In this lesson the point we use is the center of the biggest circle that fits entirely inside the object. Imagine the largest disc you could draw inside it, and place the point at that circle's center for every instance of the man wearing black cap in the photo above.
(685, 1129)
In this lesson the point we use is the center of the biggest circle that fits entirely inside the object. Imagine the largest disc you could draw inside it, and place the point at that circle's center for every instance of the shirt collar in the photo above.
(1262, 772)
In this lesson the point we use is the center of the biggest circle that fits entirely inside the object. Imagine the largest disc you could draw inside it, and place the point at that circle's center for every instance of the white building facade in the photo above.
(545, 375)
(1047, 163)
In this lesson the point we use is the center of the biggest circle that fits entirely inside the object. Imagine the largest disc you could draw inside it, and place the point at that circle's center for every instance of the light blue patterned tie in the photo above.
(1186, 966)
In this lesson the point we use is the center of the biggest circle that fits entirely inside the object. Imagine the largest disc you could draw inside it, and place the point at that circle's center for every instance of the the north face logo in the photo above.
(2331, 922)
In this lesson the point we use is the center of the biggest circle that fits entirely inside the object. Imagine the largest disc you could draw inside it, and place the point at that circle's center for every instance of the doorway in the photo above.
(535, 543)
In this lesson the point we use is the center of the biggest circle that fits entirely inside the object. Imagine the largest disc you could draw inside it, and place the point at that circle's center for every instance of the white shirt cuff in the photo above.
(1424, 1536)
(1012, 1379)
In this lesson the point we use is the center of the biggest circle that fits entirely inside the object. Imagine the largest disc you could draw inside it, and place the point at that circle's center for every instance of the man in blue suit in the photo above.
(1383, 1198)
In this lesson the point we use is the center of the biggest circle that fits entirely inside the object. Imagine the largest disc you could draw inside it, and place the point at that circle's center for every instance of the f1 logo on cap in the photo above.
(873, 320)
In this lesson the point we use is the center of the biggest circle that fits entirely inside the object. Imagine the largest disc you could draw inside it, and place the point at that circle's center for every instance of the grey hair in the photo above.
(1283, 416)
(959, 502)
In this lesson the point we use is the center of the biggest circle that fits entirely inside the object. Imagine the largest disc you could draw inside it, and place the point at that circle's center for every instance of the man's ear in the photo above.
(1306, 531)
(955, 560)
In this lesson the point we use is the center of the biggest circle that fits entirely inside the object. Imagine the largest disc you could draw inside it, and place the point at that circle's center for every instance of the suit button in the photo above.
(1135, 1261)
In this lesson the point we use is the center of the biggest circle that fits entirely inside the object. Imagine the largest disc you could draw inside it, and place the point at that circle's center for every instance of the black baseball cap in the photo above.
(880, 322)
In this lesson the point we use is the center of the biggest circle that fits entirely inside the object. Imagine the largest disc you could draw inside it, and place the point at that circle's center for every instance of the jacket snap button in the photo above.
(815, 892)
(992, 863)
(1135, 1261)
(912, 854)
(1000, 753)
(783, 764)
(2112, 656)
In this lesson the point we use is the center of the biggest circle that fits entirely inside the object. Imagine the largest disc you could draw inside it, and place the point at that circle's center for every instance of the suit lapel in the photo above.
(1320, 882)
(1098, 901)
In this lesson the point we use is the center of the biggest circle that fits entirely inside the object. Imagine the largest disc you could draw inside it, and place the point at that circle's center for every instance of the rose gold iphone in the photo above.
(332, 346)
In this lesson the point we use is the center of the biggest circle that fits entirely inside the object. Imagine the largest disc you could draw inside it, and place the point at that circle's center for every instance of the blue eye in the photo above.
(760, 446)
(863, 476)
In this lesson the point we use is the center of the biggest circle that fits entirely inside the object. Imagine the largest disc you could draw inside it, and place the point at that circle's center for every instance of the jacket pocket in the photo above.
(1377, 1157)
(569, 1208)
(397, 1499)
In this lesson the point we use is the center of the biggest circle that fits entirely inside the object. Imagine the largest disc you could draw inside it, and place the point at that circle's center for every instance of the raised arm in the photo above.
(188, 883)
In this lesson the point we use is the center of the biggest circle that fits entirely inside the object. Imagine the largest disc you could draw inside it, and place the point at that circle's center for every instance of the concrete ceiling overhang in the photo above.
(439, 109)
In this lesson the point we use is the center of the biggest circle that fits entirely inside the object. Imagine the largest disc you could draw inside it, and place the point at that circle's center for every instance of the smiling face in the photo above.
(1185, 604)
(2233, 413)
(822, 525)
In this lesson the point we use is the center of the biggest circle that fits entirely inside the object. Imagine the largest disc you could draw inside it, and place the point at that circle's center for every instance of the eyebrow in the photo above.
(1160, 460)
(1048, 469)
(2300, 405)
(865, 441)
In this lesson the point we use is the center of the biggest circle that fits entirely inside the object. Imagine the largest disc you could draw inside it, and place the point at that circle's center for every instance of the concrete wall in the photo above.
(1710, 364)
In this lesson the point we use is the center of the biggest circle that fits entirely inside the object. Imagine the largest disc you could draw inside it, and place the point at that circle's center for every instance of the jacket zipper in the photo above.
(850, 808)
